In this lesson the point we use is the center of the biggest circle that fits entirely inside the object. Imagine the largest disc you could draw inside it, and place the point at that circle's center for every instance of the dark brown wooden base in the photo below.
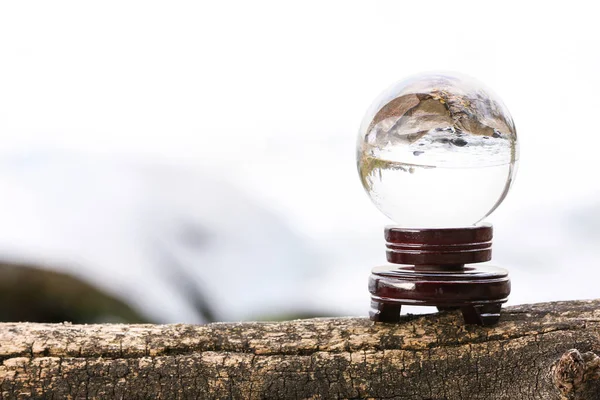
(477, 291)
(432, 267)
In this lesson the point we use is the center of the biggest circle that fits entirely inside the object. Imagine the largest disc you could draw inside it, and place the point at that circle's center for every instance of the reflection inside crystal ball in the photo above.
(437, 151)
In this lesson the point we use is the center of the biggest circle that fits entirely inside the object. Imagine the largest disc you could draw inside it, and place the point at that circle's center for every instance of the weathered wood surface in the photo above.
(429, 357)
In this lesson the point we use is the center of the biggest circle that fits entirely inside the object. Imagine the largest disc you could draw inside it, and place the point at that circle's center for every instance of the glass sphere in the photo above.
(437, 151)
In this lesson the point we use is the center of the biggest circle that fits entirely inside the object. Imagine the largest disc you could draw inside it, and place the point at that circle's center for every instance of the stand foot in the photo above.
(485, 314)
(385, 312)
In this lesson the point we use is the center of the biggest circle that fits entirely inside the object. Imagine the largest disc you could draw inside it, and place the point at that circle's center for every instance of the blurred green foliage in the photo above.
(31, 294)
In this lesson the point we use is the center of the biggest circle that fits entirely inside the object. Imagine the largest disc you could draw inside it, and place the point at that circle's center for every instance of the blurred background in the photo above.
(195, 161)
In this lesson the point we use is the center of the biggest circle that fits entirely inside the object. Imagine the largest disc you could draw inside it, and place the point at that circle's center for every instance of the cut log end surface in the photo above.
(541, 351)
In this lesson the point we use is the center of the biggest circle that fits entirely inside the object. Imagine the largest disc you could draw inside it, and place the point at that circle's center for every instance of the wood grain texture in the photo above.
(542, 351)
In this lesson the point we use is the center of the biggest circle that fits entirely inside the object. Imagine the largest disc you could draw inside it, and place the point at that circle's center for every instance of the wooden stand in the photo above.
(433, 273)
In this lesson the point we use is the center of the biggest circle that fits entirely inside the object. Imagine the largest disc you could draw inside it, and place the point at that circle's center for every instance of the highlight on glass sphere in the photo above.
(437, 150)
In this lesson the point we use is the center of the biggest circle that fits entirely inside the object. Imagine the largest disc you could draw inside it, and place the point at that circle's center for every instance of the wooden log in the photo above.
(541, 351)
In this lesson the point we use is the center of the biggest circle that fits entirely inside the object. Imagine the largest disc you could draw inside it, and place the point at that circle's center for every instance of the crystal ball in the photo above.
(437, 150)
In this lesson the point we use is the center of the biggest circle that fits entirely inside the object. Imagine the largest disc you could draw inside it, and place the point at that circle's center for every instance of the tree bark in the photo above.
(541, 351)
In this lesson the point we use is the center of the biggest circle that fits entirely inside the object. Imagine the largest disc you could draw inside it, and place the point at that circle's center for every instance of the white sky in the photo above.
(250, 85)
(270, 94)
